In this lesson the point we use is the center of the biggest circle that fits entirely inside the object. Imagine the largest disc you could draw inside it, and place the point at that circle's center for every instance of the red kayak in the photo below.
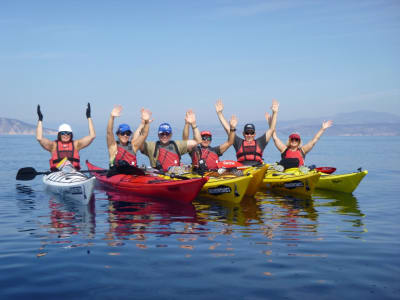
(152, 186)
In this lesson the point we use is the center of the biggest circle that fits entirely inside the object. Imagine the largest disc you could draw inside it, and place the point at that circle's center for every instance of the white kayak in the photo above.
(71, 185)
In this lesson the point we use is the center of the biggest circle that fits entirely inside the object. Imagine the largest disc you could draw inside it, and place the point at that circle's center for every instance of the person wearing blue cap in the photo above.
(122, 153)
(249, 150)
(166, 153)
(65, 145)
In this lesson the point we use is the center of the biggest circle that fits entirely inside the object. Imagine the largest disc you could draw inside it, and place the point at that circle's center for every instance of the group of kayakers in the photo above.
(166, 152)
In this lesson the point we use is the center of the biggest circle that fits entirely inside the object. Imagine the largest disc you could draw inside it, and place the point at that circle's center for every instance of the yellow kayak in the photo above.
(291, 181)
(345, 183)
(225, 187)
(258, 174)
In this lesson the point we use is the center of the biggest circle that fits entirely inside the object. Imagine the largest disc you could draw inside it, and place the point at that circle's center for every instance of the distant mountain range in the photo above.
(13, 126)
(358, 123)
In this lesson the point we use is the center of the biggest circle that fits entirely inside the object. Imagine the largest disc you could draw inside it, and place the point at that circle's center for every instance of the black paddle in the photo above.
(29, 173)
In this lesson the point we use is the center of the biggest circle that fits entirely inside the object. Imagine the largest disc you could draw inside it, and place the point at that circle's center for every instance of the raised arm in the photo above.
(87, 140)
(111, 143)
(231, 137)
(44, 142)
(325, 125)
(278, 143)
(272, 121)
(219, 107)
(185, 133)
(191, 120)
(139, 141)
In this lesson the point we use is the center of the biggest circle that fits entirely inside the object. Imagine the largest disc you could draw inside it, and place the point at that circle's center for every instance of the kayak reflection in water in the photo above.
(249, 150)
(122, 153)
(205, 157)
(166, 153)
(293, 153)
(65, 146)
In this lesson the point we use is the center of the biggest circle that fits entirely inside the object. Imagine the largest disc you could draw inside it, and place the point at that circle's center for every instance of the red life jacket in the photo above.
(168, 155)
(209, 157)
(299, 154)
(65, 150)
(249, 151)
(125, 153)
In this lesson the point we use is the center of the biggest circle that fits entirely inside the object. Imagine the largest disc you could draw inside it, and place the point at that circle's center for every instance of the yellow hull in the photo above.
(291, 181)
(258, 174)
(345, 183)
(225, 188)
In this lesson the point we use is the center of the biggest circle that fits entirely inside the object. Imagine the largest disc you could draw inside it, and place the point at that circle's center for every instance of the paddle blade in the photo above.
(26, 174)
(326, 170)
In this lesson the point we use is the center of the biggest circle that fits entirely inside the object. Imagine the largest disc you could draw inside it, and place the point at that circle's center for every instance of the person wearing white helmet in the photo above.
(64, 146)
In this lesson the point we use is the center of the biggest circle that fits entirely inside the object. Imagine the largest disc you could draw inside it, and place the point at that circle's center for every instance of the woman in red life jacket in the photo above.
(65, 146)
(166, 153)
(205, 157)
(122, 153)
(293, 153)
(249, 150)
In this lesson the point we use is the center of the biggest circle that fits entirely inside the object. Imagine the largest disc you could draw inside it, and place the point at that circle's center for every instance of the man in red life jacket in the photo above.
(166, 153)
(204, 157)
(249, 150)
(122, 153)
(293, 153)
(64, 146)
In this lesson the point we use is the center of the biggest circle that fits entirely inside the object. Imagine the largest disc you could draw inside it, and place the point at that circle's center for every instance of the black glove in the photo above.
(88, 111)
(39, 113)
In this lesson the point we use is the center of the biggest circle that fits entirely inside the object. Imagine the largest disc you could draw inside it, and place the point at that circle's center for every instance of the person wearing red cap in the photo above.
(122, 153)
(293, 153)
(65, 146)
(204, 157)
(249, 150)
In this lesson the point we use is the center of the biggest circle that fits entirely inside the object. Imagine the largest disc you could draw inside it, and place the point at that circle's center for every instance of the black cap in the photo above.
(249, 126)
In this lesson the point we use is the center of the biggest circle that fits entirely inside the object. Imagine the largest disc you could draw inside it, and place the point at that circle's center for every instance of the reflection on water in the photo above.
(245, 213)
(346, 205)
(130, 215)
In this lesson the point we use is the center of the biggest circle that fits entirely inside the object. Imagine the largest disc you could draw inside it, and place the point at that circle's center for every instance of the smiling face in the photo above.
(249, 135)
(164, 137)
(124, 137)
(206, 140)
(65, 136)
(294, 143)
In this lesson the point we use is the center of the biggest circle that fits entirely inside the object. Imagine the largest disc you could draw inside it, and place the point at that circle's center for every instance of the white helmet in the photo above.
(64, 127)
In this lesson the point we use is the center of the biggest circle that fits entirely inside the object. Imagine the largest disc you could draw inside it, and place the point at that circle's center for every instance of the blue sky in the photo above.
(314, 57)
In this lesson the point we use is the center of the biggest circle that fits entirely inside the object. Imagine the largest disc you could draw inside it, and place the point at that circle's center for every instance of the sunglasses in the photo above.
(295, 139)
(249, 133)
(164, 134)
(206, 138)
(126, 133)
(65, 133)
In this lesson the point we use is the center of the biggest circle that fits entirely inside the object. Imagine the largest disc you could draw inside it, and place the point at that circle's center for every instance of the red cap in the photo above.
(205, 132)
(294, 136)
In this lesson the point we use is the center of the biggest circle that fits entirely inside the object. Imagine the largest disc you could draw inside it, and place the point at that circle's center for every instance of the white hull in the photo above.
(72, 185)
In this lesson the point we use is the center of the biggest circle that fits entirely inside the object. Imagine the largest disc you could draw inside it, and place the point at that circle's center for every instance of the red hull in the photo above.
(152, 186)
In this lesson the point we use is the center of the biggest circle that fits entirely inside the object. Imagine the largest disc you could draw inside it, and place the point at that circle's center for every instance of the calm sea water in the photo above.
(334, 246)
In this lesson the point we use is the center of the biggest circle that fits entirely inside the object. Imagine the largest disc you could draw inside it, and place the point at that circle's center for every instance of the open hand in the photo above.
(275, 105)
(145, 115)
(116, 112)
(219, 106)
(190, 117)
(327, 124)
(40, 116)
(233, 122)
(88, 111)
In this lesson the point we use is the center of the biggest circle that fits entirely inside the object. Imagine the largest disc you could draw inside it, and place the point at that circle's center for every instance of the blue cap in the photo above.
(164, 127)
(123, 128)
